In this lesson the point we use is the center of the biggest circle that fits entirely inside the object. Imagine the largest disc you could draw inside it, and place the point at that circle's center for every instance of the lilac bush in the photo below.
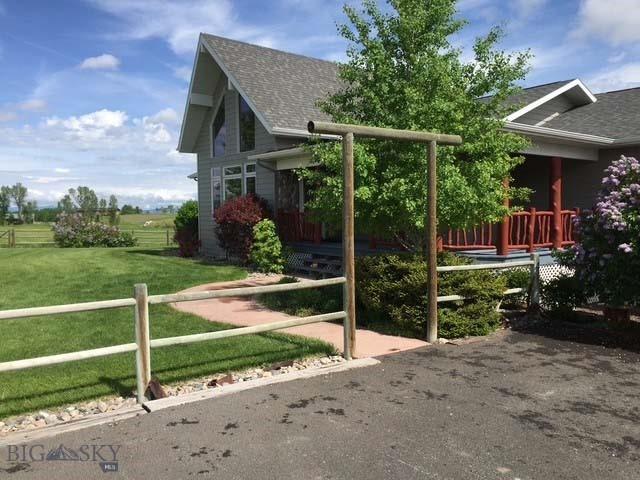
(606, 258)
(73, 230)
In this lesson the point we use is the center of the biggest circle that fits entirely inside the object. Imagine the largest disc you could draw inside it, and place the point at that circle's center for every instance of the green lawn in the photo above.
(153, 235)
(49, 276)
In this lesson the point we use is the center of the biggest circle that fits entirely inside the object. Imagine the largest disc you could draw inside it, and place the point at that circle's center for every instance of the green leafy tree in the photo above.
(29, 211)
(66, 204)
(113, 210)
(102, 206)
(19, 195)
(83, 200)
(403, 72)
(86, 200)
(5, 203)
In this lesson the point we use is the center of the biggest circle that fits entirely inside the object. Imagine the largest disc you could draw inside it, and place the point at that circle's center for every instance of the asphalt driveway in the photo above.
(516, 405)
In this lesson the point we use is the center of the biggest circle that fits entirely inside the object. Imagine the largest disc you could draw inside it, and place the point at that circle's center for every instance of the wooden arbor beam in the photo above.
(555, 200)
(432, 139)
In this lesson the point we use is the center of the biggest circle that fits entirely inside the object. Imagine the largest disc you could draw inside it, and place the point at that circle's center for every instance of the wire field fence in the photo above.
(43, 237)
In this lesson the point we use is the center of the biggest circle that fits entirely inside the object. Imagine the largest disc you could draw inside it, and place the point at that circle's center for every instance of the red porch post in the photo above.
(503, 229)
(555, 200)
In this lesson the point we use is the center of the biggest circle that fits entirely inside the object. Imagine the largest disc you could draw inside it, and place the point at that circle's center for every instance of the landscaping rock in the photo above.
(64, 414)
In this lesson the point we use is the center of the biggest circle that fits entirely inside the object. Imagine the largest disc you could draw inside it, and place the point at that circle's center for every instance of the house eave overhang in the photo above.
(575, 85)
(559, 135)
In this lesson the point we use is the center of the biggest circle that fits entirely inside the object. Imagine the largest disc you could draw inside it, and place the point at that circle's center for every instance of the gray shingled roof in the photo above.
(614, 115)
(531, 94)
(283, 86)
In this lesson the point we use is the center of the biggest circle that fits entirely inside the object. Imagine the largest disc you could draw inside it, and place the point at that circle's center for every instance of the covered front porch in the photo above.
(542, 225)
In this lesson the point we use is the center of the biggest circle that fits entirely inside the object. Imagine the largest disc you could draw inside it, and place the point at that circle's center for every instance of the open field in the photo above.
(156, 234)
(50, 276)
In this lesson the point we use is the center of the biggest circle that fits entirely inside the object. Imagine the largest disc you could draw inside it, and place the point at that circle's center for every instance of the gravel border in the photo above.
(63, 414)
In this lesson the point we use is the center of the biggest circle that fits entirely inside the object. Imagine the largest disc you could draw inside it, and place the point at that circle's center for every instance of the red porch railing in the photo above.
(476, 238)
(295, 226)
(527, 230)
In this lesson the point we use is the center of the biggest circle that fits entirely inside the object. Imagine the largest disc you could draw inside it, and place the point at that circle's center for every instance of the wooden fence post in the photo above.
(432, 245)
(143, 353)
(13, 237)
(168, 237)
(534, 289)
(348, 248)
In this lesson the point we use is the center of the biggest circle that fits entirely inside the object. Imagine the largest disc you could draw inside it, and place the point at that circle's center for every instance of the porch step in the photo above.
(322, 266)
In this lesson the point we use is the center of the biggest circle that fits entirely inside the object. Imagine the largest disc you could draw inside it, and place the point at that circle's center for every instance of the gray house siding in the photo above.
(581, 179)
(265, 178)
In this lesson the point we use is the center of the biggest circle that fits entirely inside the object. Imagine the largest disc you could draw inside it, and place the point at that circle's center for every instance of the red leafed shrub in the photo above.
(235, 220)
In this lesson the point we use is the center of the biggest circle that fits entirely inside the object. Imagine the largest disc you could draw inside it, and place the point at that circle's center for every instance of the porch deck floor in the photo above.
(244, 311)
(362, 249)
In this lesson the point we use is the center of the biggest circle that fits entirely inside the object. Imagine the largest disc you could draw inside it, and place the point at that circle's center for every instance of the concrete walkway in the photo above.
(244, 311)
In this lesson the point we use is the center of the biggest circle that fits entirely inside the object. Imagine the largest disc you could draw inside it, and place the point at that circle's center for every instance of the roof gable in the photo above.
(282, 87)
(616, 115)
(575, 91)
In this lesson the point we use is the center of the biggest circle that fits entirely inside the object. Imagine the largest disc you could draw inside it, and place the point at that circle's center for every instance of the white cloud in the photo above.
(183, 73)
(7, 116)
(525, 8)
(180, 22)
(106, 61)
(33, 105)
(625, 76)
(617, 57)
(91, 126)
(62, 170)
(616, 22)
(167, 115)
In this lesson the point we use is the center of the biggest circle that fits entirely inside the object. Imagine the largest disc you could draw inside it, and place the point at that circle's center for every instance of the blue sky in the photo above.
(92, 91)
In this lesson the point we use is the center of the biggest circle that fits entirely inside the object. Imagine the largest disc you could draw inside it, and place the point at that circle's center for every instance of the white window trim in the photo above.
(248, 174)
(212, 176)
(234, 176)
(213, 119)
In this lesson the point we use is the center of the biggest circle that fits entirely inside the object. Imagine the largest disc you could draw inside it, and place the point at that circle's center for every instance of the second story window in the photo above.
(247, 126)
(219, 132)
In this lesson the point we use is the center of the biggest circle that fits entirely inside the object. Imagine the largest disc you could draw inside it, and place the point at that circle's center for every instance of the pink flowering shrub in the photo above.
(73, 230)
(606, 259)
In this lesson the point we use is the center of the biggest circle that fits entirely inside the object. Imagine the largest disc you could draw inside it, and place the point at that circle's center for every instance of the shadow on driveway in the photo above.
(514, 405)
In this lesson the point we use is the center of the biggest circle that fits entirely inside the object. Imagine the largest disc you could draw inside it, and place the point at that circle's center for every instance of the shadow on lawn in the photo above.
(587, 328)
(170, 374)
(173, 252)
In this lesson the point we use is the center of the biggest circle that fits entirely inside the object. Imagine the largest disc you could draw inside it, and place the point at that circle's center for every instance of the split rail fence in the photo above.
(44, 237)
(141, 301)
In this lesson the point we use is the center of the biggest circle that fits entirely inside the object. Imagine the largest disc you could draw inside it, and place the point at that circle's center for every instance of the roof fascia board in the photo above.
(293, 132)
(621, 142)
(550, 96)
(285, 153)
(186, 107)
(236, 85)
(558, 134)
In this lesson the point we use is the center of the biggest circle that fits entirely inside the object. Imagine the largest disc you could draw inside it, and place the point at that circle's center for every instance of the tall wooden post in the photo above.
(348, 247)
(143, 353)
(432, 244)
(555, 200)
(503, 229)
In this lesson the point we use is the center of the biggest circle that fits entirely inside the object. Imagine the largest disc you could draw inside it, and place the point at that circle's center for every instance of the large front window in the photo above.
(247, 126)
(219, 132)
(232, 182)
